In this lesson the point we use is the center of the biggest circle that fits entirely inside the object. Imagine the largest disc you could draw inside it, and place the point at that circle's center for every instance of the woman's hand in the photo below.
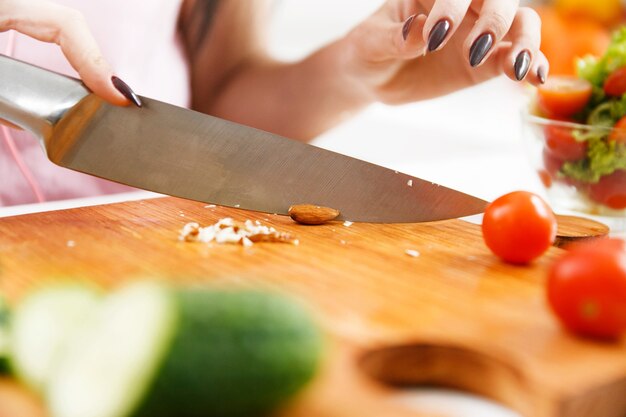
(416, 49)
(50, 22)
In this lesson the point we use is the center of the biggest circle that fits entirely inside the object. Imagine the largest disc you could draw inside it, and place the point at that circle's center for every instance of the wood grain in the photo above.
(452, 316)
(343, 390)
(574, 229)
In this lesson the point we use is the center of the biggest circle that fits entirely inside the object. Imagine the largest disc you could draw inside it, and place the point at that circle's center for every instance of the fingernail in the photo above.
(126, 91)
(407, 27)
(438, 34)
(522, 65)
(541, 74)
(479, 49)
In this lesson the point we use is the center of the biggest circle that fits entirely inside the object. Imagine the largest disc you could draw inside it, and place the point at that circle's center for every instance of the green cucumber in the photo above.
(41, 324)
(4, 336)
(154, 351)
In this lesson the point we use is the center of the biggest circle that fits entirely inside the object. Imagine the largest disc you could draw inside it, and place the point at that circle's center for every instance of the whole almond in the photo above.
(311, 214)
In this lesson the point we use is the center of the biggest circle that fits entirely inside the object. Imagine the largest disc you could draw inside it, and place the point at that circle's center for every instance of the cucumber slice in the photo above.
(4, 336)
(154, 351)
(107, 366)
(41, 325)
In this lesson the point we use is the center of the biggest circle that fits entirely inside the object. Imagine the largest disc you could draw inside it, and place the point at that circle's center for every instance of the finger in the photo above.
(49, 22)
(443, 20)
(411, 44)
(494, 22)
(525, 36)
(538, 73)
(493, 68)
(384, 38)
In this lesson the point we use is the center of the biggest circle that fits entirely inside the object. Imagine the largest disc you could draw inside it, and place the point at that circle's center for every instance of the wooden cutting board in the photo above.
(453, 316)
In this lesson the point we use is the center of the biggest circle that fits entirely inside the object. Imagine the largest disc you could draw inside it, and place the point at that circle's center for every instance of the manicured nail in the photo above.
(541, 74)
(438, 34)
(479, 49)
(407, 27)
(522, 65)
(126, 91)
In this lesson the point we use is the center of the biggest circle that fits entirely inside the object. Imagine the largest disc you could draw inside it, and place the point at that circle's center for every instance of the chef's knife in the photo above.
(172, 150)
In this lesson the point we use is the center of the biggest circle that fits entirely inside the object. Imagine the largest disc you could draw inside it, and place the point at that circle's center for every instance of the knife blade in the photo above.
(171, 150)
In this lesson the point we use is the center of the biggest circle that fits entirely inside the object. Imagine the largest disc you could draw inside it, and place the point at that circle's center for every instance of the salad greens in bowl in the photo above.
(575, 132)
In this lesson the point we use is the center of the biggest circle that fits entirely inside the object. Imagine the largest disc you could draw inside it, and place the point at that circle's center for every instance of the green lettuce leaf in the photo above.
(608, 113)
(595, 70)
(603, 158)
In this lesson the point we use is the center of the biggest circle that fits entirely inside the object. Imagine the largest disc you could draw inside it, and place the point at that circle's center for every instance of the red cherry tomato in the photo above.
(615, 84)
(519, 227)
(587, 288)
(618, 134)
(563, 96)
(561, 143)
(610, 190)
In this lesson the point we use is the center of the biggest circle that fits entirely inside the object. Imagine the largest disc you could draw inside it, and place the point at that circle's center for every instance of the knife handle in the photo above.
(35, 99)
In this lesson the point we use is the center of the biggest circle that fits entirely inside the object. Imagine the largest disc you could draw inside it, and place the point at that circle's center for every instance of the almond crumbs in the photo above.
(228, 230)
(412, 253)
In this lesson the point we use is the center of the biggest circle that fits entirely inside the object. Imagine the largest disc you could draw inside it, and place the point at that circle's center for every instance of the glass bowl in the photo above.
(582, 167)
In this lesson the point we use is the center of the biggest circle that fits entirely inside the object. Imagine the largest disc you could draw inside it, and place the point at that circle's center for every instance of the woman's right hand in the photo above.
(50, 22)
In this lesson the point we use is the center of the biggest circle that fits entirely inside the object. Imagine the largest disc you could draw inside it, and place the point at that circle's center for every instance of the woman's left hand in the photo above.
(417, 49)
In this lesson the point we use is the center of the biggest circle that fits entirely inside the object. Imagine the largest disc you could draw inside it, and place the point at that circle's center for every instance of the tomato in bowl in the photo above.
(579, 165)
(575, 134)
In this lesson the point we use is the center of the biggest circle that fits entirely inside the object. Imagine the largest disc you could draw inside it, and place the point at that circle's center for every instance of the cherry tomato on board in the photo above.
(519, 227)
(587, 288)
(561, 144)
(615, 83)
(563, 96)
(610, 190)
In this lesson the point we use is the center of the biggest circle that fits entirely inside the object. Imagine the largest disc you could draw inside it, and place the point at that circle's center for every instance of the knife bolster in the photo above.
(35, 99)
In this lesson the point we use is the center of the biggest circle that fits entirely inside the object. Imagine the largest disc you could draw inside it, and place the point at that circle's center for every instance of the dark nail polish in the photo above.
(522, 65)
(479, 49)
(438, 34)
(541, 74)
(126, 91)
(407, 27)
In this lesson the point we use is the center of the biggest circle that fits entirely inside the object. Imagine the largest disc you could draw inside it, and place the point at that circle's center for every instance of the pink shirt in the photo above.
(139, 39)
